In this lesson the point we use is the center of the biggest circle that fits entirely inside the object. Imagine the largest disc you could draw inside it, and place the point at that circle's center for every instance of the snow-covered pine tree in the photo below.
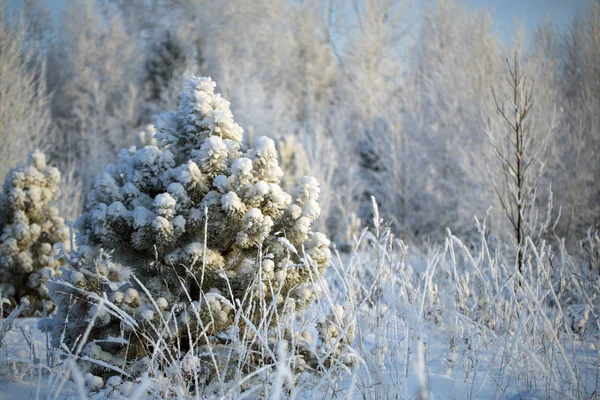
(29, 228)
(206, 229)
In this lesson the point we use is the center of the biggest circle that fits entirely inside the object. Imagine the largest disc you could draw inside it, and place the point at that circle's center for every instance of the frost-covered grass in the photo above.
(452, 322)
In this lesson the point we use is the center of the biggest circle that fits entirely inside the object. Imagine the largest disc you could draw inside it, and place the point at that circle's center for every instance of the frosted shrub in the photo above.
(212, 239)
(90, 278)
(30, 227)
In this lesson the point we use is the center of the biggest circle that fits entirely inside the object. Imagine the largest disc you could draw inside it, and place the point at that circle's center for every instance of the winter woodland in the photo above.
(303, 199)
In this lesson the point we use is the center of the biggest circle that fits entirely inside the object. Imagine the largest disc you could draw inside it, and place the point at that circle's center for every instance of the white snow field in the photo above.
(453, 323)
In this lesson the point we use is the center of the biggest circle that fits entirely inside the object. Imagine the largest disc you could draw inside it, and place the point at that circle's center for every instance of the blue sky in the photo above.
(530, 12)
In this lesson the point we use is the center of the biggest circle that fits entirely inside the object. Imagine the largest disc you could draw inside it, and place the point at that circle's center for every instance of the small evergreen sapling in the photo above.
(207, 231)
(30, 227)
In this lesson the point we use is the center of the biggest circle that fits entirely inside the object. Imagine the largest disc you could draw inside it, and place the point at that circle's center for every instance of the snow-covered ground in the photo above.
(474, 374)
(452, 323)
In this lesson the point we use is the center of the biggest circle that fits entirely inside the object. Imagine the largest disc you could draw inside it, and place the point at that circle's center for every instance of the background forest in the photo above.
(384, 98)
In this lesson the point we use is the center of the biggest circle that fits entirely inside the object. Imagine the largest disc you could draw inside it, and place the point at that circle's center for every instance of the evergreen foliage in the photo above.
(205, 228)
(30, 227)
